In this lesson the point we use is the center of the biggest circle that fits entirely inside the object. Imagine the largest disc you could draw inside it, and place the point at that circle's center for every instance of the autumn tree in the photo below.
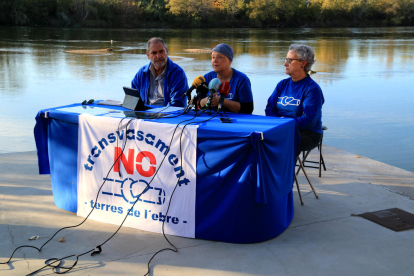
(230, 8)
(397, 11)
(195, 9)
(268, 11)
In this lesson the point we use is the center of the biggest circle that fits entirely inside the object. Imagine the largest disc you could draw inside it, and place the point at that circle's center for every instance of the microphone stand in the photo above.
(210, 100)
(195, 105)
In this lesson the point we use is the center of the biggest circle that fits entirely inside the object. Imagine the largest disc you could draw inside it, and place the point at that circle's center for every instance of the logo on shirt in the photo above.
(285, 100)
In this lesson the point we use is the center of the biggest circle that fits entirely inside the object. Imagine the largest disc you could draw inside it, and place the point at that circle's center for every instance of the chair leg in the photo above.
(297, 186)
(323, 163)
(310, 183)
(320, 158)
(304, 156)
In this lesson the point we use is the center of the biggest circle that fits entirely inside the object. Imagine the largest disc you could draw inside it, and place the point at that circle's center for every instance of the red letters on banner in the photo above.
(129, 162)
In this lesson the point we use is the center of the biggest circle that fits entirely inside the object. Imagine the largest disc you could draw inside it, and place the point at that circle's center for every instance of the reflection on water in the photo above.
(364, 74)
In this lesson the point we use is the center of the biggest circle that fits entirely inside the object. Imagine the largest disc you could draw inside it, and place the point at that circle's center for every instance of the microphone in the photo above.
(224, 90)
(197, 81)
(202, 90)
(213, 86)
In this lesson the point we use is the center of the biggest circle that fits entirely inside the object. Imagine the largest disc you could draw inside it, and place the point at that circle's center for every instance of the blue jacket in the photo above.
(175, 84)
(300, 100)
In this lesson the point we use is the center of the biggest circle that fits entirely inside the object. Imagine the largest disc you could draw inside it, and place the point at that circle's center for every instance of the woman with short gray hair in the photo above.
(304, 52)
(299, 97)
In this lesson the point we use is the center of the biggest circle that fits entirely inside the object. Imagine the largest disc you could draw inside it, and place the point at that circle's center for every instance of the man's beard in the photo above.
(160, 62)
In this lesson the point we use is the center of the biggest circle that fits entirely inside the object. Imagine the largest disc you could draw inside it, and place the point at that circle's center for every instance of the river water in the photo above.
(365, 74)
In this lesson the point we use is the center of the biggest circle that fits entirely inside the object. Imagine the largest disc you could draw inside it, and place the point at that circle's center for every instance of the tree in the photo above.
(191, 8)
(268, 11)
(230, 7)
(153, 9)
(397, 12)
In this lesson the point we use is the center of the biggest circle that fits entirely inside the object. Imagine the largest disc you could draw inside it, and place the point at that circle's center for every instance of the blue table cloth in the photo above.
(244, 182)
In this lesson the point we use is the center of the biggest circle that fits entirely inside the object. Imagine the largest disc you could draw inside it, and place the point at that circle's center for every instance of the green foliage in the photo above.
(203, 13)
(230, 8)
(153, 9)
(274, 11)
(191, 8)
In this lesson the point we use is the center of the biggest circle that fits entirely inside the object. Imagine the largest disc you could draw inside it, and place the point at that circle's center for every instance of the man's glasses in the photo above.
(289, 60)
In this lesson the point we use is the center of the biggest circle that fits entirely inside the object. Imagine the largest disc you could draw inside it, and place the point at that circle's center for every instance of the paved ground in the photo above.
(323, 239)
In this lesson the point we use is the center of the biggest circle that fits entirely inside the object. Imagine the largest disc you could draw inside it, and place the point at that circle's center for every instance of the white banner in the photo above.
(145, 157)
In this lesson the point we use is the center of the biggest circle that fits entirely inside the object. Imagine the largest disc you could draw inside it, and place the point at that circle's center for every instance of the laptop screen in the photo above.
(133, 100)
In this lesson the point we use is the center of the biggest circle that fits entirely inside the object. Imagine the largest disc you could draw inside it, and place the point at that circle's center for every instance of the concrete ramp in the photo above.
(323, 239)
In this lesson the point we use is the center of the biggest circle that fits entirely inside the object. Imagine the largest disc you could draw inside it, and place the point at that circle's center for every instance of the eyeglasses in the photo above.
(289, 60)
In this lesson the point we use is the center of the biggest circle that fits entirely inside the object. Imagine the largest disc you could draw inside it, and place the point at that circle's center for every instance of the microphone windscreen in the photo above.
(224, 88)
(198, 80)
(202, 90)
(214, 84)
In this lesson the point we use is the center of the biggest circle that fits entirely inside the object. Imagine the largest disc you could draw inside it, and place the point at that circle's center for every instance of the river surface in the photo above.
(366, 76)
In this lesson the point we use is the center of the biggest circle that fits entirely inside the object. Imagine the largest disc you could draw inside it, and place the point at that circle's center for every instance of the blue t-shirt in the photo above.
(240, 87)
(301, 100)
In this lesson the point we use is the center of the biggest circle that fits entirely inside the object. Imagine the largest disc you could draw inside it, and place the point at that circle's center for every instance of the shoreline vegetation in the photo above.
(206, 13)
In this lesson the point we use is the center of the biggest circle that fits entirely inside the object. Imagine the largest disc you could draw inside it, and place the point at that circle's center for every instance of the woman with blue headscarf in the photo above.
(240, 97)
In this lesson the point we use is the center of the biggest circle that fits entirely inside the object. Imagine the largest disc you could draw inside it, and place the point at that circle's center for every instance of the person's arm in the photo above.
(312, 108)
(140, 82)
(271, 107)
(135, 81)
(178, 86)
(214, 100)
(232, 106)
(244, 100)
(208, 77)
(244, 104)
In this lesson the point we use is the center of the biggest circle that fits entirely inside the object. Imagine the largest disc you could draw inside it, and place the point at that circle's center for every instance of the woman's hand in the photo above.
(214, 101)
(231, 105)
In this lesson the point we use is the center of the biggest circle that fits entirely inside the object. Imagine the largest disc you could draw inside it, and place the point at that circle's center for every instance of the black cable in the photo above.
(47, 262)
(148, 185)
(167, 117)
(50, 262)
(68, 227)
(172, 194)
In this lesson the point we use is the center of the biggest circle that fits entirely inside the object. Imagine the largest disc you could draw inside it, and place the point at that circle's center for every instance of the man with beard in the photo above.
(161, 82)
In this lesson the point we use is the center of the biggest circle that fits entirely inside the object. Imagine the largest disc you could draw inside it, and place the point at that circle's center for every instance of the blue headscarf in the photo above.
(224, 49)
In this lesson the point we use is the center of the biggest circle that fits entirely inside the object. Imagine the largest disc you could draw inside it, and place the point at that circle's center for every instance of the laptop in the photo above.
(144, 115)
(133, 100)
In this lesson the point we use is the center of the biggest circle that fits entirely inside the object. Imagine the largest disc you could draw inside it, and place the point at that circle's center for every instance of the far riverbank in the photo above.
(206, 13)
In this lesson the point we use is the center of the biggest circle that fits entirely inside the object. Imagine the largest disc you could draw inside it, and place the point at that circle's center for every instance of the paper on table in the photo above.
(86, 109)
(111, 102)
